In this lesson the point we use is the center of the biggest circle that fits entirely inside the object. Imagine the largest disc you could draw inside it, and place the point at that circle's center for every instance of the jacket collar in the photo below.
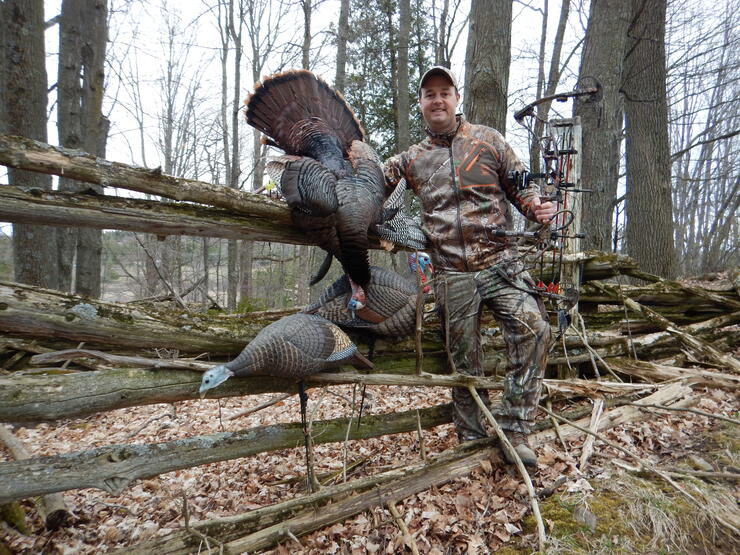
(445, 138)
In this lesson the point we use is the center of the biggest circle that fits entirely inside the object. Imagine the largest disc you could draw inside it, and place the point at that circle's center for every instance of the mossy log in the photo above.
(113, 468)
(27, 154)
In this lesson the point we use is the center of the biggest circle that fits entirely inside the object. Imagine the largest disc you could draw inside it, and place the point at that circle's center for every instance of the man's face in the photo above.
(438, 102)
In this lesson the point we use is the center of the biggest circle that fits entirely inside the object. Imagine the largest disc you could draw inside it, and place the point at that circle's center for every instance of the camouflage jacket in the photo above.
(462, 180)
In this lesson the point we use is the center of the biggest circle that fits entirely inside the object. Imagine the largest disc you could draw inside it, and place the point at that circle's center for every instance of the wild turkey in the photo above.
(331, 179)
(397, 225)
(295, 346)
(390, 309)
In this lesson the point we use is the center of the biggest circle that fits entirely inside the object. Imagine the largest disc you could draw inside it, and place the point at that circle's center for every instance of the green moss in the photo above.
(13, 514)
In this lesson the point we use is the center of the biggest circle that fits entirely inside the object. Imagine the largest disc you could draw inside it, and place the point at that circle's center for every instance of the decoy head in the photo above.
(425, 261)
(354, 305)
(419, 262)
(214, 377)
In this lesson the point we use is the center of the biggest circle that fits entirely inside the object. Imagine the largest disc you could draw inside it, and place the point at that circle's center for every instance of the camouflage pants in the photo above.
(526, 332)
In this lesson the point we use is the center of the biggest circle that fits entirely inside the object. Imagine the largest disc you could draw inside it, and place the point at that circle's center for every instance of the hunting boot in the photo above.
(521, 446)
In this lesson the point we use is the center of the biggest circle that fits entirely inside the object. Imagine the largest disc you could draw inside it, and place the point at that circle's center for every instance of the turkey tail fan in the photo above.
(293, 107)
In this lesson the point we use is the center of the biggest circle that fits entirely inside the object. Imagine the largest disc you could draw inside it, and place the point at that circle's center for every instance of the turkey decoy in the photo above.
(329, 176)
(390, 309)
(295, 346)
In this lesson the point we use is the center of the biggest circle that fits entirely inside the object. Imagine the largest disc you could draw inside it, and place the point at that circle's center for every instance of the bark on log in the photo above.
(29, 311)
(22, 153)
(159, 218)
(113, 468)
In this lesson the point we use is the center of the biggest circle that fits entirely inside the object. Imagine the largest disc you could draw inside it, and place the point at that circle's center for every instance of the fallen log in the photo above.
(233, 527)
(51, 507)
(53, 316)
(696, 345)
(28, 311)
(664, 293)
(146, 216)
(228, 529)
(35, 398)
(653, 371)
(113, 468)
(27, 154)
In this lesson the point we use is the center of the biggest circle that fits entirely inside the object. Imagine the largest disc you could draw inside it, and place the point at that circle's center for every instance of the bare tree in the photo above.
(546, 87)
(23, 98)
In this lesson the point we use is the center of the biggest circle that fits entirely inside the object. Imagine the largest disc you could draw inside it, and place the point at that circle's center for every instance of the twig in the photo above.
(410, 541)
(313, 482)
(345, 445)
(645, 467)
(159, 273)
(558, 432)
(544, 493)
(590, 354)
(686, 409)
(594, 353)
(419, 318)
(149, 421)
(506, 444)
(193, 531)
(276, 399)
(66, 362)
(588, 445)
(422, 446)
(293, 537)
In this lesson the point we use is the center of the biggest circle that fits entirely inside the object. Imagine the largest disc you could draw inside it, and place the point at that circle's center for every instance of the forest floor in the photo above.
(604, 509)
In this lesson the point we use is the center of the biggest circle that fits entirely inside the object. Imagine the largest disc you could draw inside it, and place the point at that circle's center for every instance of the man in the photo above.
(463, 176)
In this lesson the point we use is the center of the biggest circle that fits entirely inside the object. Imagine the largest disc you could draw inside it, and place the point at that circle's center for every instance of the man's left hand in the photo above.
(544, 211)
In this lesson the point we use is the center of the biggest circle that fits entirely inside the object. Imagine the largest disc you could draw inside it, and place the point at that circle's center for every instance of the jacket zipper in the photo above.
(457, 202)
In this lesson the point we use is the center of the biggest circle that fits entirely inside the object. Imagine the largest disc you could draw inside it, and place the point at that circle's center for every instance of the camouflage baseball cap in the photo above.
(438, 70)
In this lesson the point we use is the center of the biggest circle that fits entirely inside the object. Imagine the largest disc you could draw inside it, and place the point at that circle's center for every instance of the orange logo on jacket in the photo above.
(478, 169)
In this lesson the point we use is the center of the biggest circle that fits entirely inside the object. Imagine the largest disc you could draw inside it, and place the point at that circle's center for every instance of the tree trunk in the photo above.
(402, 115)
(342, 38)
(83, 34)
(487, 61)
(23, 97)
(649, 227)
(601, 116)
